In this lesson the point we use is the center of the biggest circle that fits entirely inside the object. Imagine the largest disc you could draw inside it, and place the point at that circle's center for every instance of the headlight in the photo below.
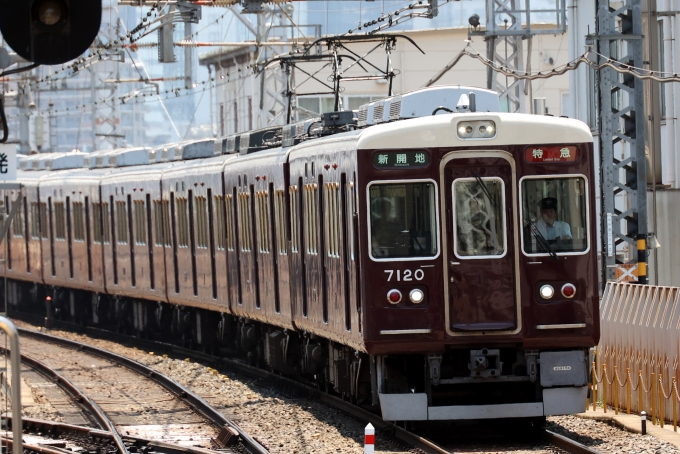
(417, 296)
(465, 130)
(482, 129)
(547, 291)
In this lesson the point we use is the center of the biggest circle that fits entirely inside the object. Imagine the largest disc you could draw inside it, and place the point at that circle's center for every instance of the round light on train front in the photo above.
(547, 292)
(487, 129)
(394, 296)
(465, 130)
(568, 290)
(417, 296)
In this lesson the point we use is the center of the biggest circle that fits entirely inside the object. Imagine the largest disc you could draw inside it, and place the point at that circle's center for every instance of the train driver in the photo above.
(552, 229)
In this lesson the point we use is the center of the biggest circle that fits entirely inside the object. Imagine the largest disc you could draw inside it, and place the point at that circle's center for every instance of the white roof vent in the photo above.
(129, 157)
(72, 160)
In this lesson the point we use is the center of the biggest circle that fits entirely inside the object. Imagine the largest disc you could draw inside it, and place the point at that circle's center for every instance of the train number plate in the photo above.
(405, 275)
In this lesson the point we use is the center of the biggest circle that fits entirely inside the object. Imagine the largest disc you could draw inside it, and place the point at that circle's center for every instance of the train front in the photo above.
(479, 265)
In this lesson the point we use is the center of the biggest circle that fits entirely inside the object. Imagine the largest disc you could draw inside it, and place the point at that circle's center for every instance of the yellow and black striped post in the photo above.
(642, 258)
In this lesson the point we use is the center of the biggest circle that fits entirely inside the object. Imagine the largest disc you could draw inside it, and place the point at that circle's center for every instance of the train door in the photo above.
(480, 243)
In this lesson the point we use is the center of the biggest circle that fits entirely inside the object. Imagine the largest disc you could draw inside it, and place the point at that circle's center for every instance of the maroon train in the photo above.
(403, 259)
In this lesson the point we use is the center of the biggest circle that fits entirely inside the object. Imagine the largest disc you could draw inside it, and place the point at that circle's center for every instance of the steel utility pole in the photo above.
(622, 134)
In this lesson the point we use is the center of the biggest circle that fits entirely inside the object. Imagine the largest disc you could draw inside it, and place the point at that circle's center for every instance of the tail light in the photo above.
(394, 296)
(568, 290)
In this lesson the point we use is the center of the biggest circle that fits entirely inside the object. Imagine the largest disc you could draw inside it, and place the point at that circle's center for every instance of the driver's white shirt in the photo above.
(559, 229)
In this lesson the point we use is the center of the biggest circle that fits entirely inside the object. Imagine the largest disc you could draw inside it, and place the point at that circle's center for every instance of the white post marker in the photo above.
(369, 439)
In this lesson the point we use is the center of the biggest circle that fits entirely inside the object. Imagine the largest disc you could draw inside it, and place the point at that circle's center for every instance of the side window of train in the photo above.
(121, 223)
(220, 232)
(35, 221)
(349, 210)
(106, 223)
(182, 222)
(43, 221)
(280, 207)
(229, 222)
(479, 217)
(310, 201)
(167, 237)
(294, 219)
(403, 220)
(140, 222)
(262, 225)
(59, 221)
(244, 221)
(78, 222)
(18, 221)
(97, 227)
(158, 222)
(332, 218)
(201, 221)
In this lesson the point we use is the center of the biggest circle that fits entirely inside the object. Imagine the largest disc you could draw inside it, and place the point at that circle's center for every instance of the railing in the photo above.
(636, 365)
(15, 395)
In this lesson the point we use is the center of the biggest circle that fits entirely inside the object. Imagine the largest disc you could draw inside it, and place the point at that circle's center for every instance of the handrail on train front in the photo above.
(15, 360)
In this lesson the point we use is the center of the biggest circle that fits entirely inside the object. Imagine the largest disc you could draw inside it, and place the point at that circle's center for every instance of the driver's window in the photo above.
(554, 215)
(479, 217)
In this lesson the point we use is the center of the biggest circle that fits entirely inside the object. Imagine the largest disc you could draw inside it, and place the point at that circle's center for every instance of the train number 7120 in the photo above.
(405, 275)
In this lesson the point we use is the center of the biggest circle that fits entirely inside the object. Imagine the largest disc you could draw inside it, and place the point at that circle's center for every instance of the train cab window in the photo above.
(310, 201)
(554, 215)
(332, 218)
(140, 222)
(220, 233)
(121, 223)
(479, 217)
(78, 222)
(403, 220)
(167, 238)
(60, 222)
(158, 222)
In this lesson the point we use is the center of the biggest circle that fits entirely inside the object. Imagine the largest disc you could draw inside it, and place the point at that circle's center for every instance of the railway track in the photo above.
(557, 443)
(149, 404)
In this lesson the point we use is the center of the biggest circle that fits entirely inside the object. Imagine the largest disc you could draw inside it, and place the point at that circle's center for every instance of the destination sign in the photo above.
(397, 159)
(550, 154)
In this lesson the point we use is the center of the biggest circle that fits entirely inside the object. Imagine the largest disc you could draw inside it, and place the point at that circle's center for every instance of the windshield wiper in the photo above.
(541, 240)
(481, 183)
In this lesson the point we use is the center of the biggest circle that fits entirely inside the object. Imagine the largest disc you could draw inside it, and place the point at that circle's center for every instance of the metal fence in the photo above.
(637, 362)
(13, 395)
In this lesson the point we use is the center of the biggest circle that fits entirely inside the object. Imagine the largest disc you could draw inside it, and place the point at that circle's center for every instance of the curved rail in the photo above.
(193, 401)
(80, 398)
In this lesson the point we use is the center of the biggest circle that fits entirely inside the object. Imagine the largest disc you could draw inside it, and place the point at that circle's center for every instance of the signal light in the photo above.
(50, 32)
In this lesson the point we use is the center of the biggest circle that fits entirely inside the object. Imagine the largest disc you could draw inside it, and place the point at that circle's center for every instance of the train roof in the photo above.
(441, 131)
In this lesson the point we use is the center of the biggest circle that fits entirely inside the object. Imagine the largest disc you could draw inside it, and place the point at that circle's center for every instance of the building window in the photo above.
(222, 133)
(235, 116)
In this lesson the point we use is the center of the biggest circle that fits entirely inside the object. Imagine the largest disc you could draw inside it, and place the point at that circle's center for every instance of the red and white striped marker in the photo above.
(369, 439)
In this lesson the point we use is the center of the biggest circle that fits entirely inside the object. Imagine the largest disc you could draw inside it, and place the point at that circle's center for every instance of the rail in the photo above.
(192, 400)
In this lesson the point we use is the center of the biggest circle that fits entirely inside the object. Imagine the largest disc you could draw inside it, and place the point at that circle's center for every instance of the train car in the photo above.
(427, 256)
